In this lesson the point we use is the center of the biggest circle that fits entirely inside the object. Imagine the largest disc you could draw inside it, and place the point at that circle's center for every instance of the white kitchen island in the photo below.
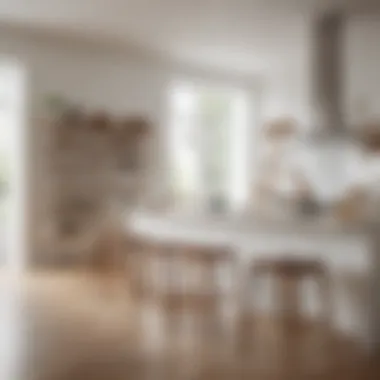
(351, 250)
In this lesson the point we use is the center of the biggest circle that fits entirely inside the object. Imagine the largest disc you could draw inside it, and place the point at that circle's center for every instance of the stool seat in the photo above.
(290, 267)
(192, 303)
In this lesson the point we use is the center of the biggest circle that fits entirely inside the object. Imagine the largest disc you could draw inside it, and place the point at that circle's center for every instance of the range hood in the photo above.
(327, 72)
(335, 154)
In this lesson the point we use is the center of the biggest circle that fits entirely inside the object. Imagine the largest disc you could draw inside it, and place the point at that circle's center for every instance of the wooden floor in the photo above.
(76, 326)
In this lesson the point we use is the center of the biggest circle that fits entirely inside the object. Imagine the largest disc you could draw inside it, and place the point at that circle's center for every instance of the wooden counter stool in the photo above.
(153, 268)
(204, 287)
(290, 340)
(289, 273)
(200, 294)
(138, 254)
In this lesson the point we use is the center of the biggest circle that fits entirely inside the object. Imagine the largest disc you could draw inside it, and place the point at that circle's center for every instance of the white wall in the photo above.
(362, 68)
(87, 75)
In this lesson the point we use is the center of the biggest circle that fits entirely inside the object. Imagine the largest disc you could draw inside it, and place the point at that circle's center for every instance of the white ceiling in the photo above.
(242, 35)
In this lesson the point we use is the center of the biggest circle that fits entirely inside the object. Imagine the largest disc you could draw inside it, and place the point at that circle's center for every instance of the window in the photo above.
(209, 145)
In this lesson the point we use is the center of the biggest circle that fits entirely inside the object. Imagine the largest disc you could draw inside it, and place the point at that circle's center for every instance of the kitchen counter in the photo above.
(347, 249)
(251, 235)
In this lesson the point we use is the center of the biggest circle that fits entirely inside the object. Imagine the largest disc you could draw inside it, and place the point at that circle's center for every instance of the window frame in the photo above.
(252, 92)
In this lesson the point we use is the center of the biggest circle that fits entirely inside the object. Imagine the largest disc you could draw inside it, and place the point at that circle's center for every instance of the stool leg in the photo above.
(326, 299)
(288, 301)
(325, 338)
(289, 322)
(245, 321)
(234, 304)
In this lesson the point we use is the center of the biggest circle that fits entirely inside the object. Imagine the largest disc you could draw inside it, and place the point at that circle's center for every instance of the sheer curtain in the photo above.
(209, 142)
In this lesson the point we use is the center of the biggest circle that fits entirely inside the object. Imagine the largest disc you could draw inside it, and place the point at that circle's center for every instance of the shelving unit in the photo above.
(91, 174)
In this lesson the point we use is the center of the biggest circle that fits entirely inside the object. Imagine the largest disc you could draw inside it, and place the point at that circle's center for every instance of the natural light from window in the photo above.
(208, 144)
